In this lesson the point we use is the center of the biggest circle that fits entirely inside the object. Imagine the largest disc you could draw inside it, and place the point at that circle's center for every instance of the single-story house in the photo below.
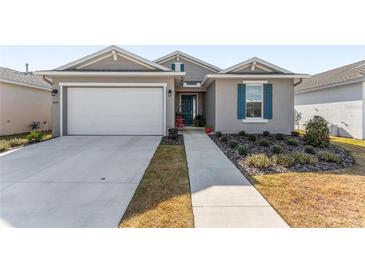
(338, 96)
(115, 92)
(24, 98)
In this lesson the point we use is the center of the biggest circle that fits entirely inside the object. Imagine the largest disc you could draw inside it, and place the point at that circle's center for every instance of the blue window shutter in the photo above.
(267, 101)
(241, 101)
(182, 67)
(173, 66)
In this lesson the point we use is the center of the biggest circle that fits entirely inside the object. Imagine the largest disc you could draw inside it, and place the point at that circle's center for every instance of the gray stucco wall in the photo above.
(341, 106)
(193, 72)
(209, 105)
(170, 101)
(226, 108)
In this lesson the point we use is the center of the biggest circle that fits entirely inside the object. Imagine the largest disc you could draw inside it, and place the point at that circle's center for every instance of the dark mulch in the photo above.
(166, 140)
(254, 148)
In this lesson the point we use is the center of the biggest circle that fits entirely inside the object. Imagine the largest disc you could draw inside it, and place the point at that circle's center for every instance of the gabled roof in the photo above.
(113, 50)
(195, 60)
(347, 74)
(254, 63)
(21, 78)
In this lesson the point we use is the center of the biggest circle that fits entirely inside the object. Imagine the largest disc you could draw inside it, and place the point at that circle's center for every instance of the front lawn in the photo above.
(162, 199)
(320, 199)
(12, 141)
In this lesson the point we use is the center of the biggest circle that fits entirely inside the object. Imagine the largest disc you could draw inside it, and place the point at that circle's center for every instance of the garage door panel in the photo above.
(115, 111)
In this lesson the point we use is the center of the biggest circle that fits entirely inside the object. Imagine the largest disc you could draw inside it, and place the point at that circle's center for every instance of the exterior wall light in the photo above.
(169, 93)
(54, 92)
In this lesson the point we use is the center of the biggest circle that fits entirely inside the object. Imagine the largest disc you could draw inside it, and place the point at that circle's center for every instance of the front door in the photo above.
(187, 108)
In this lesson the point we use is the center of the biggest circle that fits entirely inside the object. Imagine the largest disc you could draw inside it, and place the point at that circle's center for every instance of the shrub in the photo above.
(309, 149)
(264, 142)
(329, 157)
(258, 161)
(276, 149)
(14, 142)
(252, 138)
(233, 144)
(286, 160)
(35, 136)
(4, 145)
(316, 132)
(295, 133)
(242, 133)
(266, 133)
(173, 132)
(279, 136)
(218, 134)
(242, 150)
(304, 158)
(199, 121)
(224, 139)
(293, 142)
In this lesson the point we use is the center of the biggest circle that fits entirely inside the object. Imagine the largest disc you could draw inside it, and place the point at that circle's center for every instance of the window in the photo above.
(254, 100)
(177, 66)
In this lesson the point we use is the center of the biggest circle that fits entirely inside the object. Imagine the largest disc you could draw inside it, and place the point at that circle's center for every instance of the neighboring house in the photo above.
(115, 92)
(24, 98)
(338, 96)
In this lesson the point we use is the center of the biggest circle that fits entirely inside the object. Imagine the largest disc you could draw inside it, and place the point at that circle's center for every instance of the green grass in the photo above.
(163, 198)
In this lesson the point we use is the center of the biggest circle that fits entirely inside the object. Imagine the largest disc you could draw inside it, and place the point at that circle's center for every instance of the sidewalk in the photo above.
(221, 195)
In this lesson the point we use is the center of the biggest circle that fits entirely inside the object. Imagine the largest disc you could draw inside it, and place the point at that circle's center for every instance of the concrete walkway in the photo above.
(221, 195)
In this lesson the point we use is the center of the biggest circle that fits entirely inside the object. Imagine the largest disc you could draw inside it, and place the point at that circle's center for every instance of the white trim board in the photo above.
(111, 48)
(253, 76)
(257, 60)
(179, 54)
(109, 73)
(117, 54)
(101, 84)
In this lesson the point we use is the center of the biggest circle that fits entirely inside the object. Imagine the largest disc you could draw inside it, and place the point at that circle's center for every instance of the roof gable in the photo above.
(178, 54)
(113, 58)
(255, 65)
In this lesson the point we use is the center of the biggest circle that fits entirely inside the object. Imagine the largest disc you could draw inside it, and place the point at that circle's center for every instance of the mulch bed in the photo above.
(254, 148)
(166, 140)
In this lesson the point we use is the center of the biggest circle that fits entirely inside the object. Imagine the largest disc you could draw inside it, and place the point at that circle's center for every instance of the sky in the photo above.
(298, 59)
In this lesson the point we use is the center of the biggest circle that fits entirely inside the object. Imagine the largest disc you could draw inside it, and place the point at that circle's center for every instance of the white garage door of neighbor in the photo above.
(115, 111)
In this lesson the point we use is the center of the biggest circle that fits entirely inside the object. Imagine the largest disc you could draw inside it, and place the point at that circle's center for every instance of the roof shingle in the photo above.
(23, 78)
(335, 76)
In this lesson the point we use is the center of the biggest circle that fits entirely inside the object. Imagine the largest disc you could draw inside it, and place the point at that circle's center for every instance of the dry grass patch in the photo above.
(320, 199)
(162, 199)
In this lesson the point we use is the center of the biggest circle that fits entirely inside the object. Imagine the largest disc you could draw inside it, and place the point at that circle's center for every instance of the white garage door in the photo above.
(115, 111)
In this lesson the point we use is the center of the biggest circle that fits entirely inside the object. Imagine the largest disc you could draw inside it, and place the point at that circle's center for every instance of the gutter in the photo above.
(298, 83)
(47, 80)
(107, 73)
(253, 76)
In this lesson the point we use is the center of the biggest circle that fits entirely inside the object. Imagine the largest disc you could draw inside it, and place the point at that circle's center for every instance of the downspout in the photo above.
(300, 81)
(47, 80)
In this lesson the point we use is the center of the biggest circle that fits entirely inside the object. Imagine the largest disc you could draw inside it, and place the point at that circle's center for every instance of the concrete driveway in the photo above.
(73, 181)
